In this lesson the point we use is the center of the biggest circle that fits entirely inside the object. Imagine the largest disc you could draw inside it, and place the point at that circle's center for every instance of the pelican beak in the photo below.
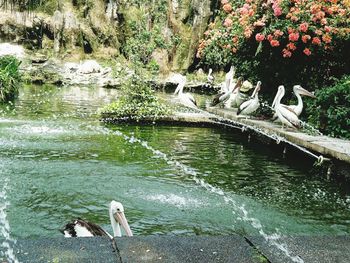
(257, 88)
(305, 92)
(238, 84)
(121, 219)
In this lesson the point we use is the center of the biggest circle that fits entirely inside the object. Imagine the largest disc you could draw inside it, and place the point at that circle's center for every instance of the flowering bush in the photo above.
(292, 26)
(281, 41)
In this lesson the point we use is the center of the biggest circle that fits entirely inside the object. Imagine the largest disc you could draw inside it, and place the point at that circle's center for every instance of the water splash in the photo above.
(7, 243)
(175, 200)
(272, 239)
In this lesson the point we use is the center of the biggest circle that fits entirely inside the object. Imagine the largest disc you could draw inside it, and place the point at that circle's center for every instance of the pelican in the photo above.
(210, 77)
(224, 96)
(299, 90)
(251, 105)
(186, 99)
(284, 114)
(228, 82)
(82, 228)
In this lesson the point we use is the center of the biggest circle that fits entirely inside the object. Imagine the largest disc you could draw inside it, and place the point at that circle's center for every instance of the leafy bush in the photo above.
(330, 111)
(137, 102)
(143, 30)
(293, 41)
(10, 78)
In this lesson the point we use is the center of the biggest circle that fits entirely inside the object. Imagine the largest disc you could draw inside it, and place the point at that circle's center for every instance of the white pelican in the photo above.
(186, 99)
(210, 77)
(285, 115)
(228, 82)
(299, 90)
(82, 228)
(251, 105)
(224, 96)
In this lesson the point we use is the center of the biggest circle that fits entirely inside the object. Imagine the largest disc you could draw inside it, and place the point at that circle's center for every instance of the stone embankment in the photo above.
(185, 249)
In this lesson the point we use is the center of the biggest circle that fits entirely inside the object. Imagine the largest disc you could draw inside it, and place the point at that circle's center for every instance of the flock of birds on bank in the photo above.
(233, 93)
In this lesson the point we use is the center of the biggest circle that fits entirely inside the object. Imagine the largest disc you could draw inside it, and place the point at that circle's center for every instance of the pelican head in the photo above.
(117, 217)
(181, 84)
(299, 89)
(257, 88)
(279, 94)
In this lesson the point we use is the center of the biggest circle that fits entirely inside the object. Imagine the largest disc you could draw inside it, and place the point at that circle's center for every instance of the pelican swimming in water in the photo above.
(186, 99)
(224, 96)
(284, 114)
(251, 105)
(82, 228)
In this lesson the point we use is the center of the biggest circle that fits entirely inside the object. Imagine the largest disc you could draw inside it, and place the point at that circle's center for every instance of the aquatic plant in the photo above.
(138, 101)
(10, 78)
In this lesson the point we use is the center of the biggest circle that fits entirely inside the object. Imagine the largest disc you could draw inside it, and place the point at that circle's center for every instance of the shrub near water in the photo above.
(10, 78)
(281, 41)
(330, 111)
(137, 102)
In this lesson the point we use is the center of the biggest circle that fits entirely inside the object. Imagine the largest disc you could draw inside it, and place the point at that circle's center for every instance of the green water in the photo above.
(58, 163)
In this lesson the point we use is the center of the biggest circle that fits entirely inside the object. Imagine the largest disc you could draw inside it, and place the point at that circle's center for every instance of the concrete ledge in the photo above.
(324, 145)
(183, 249)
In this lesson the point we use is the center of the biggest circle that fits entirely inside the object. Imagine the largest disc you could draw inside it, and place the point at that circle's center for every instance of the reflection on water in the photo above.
(60, 163)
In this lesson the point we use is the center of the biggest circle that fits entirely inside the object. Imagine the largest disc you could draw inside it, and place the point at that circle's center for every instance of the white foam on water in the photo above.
(29, 129)
(272, 239)
(175, 200)
(5, 230)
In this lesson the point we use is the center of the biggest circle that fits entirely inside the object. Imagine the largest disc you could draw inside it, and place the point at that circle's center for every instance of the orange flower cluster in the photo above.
(291, 25)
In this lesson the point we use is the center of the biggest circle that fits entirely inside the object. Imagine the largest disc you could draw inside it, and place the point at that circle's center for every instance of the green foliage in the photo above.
(138, 102)
(331, 110)
(10, 78)
(153, 66)
(144, 30)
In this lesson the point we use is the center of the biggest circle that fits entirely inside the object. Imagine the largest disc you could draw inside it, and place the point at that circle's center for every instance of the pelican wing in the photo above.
(82, 228)
(288, 116)
(216, 99)
(244, 106)
(191, 98)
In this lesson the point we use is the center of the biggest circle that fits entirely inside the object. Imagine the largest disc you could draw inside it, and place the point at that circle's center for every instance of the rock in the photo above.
(12, 49)
(39, 59)
(89, 66)
(161, 57)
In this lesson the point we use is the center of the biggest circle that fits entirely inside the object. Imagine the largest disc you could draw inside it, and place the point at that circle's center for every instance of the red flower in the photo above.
(277, 11)
(305, 38)
(274, 43)
(316, 41)
(303, 27)
(228, 22)
(278, 33)
(227, 8)
(286, 53)
(291, 46)
(269, 37)
(327, 38)
(259, 37)
(307, 52)
(294, 37)
(327, 29)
